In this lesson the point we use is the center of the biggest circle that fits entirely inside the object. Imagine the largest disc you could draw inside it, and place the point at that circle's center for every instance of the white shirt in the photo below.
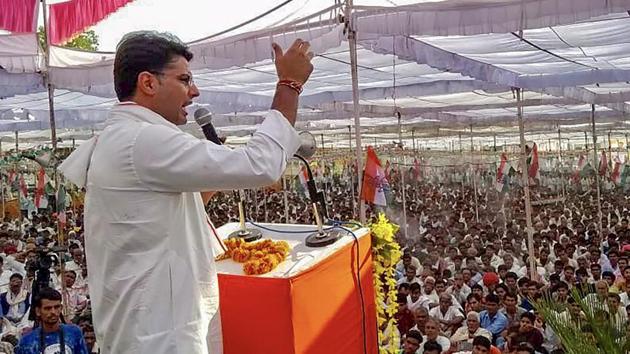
(147, 239)
(441, 340)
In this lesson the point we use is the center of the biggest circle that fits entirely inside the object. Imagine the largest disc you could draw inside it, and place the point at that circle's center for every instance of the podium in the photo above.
(309, 304)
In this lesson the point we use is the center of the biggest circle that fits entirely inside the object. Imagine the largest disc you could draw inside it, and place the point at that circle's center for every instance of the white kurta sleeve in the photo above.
(168, 160)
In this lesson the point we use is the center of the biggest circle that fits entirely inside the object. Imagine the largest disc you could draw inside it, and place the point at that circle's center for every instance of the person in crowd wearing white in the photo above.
(432, 333)
(449, 316)
(15, 304)
(147, 238)
(463, 338)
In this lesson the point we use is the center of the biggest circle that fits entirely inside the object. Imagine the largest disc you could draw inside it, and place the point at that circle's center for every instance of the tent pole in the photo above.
(286, 199)
(49, 85)
(17, 147)
(596, 167)
(525, 181)
(472, 173)
(352, 42)
(402, 179)
(561, 164)
(354, 201)
(585, 142)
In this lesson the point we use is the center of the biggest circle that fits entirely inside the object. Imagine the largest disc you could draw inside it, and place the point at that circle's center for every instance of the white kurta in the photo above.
(153, 282)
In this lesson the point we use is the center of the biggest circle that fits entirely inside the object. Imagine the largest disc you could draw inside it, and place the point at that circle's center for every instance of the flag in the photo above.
(39, 190)
(23, 187)
(615, 176)
(375, 184)
(387, 170)
(61, 205)
(532, 162)
(416, 170)
(302, 179)
(501, 173)
(603, 164)
(580, 167)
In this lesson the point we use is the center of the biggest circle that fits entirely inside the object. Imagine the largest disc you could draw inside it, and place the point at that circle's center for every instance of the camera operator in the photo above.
(51, 335)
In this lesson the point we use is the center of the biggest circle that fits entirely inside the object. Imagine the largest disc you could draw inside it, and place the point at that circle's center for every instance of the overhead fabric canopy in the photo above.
(469, 17)
(570, 55)
(234, 72)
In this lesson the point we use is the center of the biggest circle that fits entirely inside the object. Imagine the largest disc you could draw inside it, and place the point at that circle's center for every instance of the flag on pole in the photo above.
(578, 171)
(61, 205)
(603, 164)
(23, 187)
(387, 170)
(302, 180)
(375, 184)
(39, 190)
(501, 173)
(625, 175)
(615, 176)
(416, 170)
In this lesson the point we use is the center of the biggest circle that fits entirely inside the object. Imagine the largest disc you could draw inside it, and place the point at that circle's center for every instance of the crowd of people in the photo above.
(464, 282)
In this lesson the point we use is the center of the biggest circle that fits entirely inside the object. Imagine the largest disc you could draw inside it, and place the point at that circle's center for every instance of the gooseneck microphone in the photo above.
(203, 117)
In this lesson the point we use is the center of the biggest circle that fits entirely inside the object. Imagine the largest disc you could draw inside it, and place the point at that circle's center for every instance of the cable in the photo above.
(363, 325)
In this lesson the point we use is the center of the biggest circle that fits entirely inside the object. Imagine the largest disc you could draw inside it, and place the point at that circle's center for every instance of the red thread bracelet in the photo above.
(291, 84)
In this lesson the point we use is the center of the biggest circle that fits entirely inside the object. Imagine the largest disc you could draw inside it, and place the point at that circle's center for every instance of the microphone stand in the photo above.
(322, 237)
(247, 234)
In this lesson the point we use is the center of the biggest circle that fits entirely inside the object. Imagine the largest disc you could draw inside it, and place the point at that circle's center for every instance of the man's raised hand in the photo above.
(295, 63)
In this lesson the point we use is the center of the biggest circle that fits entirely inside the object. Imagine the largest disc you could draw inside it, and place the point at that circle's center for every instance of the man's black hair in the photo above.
(144, 51)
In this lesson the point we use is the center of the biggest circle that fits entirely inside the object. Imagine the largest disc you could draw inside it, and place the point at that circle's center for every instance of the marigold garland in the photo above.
(386, 253)
(258, 257)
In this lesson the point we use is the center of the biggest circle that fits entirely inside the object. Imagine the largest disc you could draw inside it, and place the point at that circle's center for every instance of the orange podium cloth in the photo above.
(313, 310)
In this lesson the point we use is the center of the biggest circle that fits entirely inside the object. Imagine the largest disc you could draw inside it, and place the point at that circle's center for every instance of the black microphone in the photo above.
(203, 117)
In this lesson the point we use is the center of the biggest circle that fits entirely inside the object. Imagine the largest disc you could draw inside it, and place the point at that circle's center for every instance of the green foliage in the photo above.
(593, 331)
(87, 40)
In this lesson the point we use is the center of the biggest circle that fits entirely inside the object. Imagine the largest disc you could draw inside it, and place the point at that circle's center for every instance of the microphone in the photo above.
(203, 117)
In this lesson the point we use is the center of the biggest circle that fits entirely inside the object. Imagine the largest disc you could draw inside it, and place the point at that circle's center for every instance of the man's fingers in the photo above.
(310, 55)
(305, 46)
(277, 51)
(296, 44)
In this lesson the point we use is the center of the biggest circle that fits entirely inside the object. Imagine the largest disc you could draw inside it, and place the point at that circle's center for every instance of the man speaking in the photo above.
(153, 281)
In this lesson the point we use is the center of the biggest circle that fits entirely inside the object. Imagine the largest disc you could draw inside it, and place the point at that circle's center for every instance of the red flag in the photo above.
(374, 182)
(387, 170)
(580, 167)
(416, 169)
(40, 187)
(603, 164)
(533, 163)
(23, 187)
(615, 176)
(70, 18)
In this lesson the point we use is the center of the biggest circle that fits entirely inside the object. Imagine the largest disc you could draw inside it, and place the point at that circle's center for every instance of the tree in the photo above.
(87, 40)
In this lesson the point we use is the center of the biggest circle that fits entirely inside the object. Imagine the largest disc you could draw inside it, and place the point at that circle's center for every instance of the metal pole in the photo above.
(596, 167)
(354, 210)
(525, 178)
(610, 158)
(413, 140)
(585, 142)
(286, 199)
(47, 81)
(627, 148)
(352, 42)
(402, 179)
(16, 142)
(472, 173)
(561, 164)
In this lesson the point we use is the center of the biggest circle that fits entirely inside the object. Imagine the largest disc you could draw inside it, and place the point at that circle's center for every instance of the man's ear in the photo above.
(147, 83)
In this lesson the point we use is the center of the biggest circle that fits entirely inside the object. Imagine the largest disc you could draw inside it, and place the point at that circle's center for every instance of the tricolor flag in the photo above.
(39, 190)
(625, 175)
(23, 187)
(501, 173)
(387, 170)
(615, 176)
(603, 164)
(61, 205)
(375, 185)
(416, 170)
(303, 179)
(578, 170)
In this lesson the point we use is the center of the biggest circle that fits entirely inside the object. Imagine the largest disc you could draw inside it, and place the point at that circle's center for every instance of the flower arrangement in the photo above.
(258, 257)
(386, 253)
